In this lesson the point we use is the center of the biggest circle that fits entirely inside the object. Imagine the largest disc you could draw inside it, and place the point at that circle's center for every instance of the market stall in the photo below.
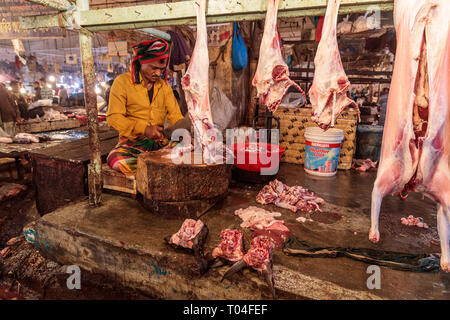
(280, 204)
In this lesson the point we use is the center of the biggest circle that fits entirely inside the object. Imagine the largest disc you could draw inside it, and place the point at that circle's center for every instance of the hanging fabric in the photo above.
(239, 55)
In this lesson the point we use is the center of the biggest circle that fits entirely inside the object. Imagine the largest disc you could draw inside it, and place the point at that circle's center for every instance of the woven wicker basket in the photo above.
(293, 123)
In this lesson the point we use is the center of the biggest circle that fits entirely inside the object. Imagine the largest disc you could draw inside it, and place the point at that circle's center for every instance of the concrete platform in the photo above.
(124, 241)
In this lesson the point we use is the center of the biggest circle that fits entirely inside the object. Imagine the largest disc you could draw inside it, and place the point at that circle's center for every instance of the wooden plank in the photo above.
(183, 13)
(16, 150)
(78, 150)
(47, 125)
(114, 180)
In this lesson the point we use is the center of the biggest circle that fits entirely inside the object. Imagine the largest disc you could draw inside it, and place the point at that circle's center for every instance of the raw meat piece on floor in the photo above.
(411, 221)
(263, 222)
(190, 229)
(364, 165)
(292, 198)
(275, 230)
(254, 215)
(10, 190)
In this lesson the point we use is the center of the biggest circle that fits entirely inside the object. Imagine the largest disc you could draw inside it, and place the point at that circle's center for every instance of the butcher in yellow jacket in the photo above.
(139, 103)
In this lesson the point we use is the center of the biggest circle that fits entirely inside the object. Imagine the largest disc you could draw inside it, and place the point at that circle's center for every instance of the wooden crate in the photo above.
(117, 181)
(293, 123)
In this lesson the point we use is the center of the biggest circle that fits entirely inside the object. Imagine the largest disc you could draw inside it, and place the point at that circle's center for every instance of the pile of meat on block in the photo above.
(292, 198)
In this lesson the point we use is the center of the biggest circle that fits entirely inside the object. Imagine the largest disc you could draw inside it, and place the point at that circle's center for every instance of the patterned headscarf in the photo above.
(148, 51)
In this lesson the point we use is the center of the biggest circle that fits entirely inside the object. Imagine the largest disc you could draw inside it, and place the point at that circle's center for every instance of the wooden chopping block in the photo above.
(180, 190)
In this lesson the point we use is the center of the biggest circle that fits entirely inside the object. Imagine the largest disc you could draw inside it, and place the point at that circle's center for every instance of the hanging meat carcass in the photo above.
(416, 140)
(328, 93)
(272, 73)
(195, 84)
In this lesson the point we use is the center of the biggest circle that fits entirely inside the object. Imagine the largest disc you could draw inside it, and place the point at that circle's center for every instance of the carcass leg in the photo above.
(443, 223)
(374, 234)
(439, 188)
(234, 268)
(385, 183)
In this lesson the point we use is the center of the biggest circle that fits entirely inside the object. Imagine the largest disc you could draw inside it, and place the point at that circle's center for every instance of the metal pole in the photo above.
(156, 33)
(90, 98)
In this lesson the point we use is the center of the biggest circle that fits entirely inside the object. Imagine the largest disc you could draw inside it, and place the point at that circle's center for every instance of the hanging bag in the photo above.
(239, 54)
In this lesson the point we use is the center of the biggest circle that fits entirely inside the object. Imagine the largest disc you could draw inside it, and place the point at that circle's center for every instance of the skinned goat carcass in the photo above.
(328, 93)
(416, 140)
(195, 84)
(272, 73)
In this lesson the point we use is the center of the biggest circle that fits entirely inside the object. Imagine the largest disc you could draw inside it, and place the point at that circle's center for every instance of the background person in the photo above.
(46, 92)
(383, 105)
(63, 97)
(8, 111)
(37, 91)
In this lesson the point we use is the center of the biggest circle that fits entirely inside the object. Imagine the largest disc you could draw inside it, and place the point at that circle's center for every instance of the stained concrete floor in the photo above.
(125, 241)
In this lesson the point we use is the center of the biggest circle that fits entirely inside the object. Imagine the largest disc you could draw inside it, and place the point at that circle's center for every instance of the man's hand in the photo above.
(154, 132)
(19, 120)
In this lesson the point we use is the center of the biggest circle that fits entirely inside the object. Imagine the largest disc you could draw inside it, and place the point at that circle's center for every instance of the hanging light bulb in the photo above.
(23, 91)
(97, 90)
(52, 78)
(103, 84)
(9, 88)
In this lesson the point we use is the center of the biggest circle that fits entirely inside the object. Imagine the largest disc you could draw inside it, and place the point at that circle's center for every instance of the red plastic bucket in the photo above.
(247, 151)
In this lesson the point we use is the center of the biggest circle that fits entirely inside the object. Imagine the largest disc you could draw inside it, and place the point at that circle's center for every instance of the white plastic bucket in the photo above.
(322, 151)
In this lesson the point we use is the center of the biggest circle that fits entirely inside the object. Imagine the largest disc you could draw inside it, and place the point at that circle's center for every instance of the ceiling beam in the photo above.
(45, 21)
(183, 13)
(61, 5)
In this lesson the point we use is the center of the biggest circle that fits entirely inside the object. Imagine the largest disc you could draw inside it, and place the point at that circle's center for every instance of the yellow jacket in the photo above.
(130, 111)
